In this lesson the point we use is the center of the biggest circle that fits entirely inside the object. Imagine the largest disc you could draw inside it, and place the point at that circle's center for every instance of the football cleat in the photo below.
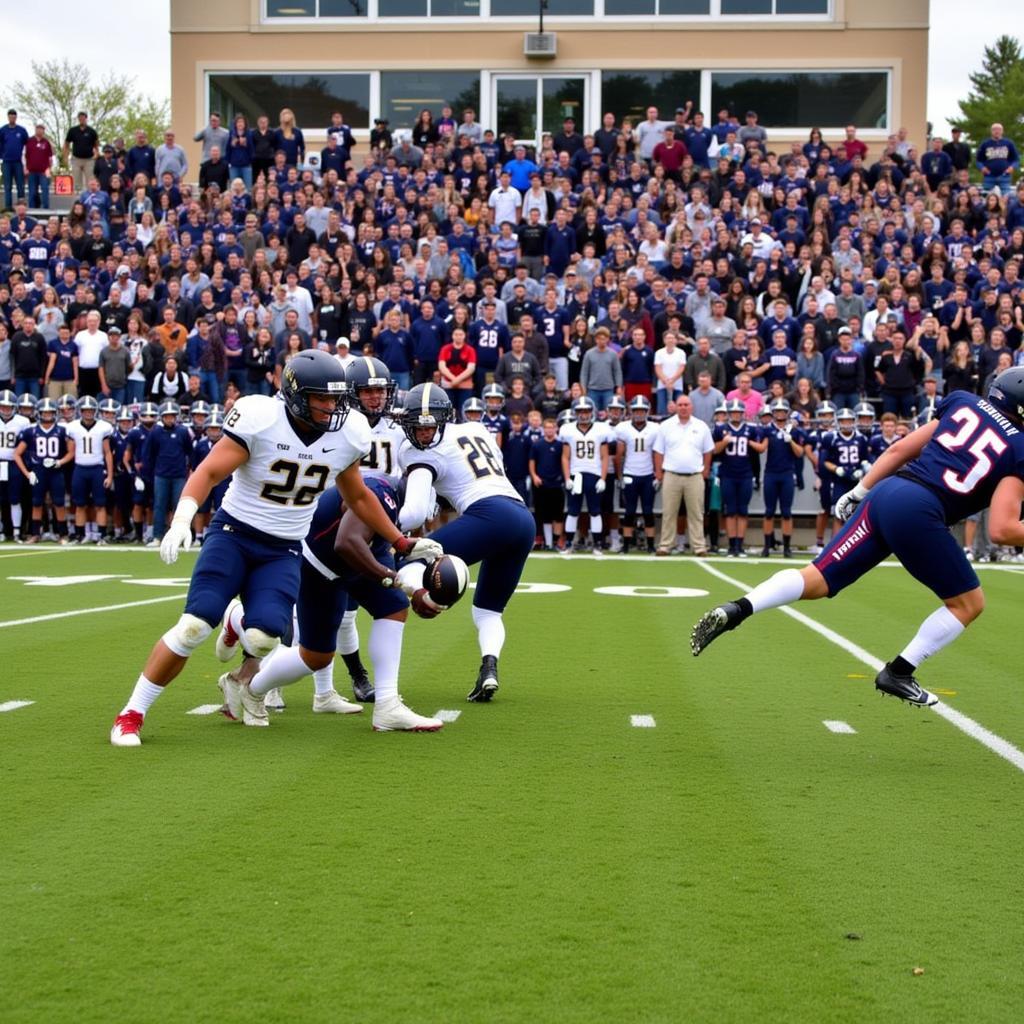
(486, 685)
(227, 638)
(242, 704)
(332, 703)
(712, 624)
(274, 700)
(394, 716)
(362, 688)
(905, 687)
(126, 729)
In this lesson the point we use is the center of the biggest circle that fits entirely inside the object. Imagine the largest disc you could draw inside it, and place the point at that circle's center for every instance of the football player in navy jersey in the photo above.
(42, 453)
(969, 458)
(493, 418)
(207, 437)
(785, 447)
(880, 442)
(548, 484)
(866, 425)
(120, 507)
(825, 423)
(842, 456)
(734, 441)
(473, 411)
(616, 409)
(142, 475)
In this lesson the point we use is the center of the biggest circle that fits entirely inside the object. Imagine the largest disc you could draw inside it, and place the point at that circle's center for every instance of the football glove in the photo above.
(857, 474)
(577, 483)
(841, 472)
(179, 534)
(49, 463)
(626, 481)
(601, 485)
(657, 485)
(140, 484)
(418, 547)
(787, 436)
(847, 504)
(33, 479)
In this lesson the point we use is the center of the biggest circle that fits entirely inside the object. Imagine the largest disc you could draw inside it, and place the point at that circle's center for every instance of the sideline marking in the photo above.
(89, 611)
(844, 727)
(650, 591)
(447, 715)
(13, 705)
(1003, 748)
(205, 709)
(642, 721)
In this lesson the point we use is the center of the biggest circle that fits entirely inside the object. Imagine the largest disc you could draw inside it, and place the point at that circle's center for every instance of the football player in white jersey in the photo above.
(634, 466)
(12, 423)
(281, 453)
(585, 468)
(93, 474)
(494, 527)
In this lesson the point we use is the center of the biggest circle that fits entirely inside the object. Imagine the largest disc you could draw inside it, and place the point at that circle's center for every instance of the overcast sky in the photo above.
(959, 31)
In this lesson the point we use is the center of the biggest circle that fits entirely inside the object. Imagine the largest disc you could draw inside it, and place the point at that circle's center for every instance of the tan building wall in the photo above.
(864, 34)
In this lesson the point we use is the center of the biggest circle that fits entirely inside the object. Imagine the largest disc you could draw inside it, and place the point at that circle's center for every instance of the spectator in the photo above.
(214, 171)
(996, 159)
(83, 145)
(212, 135)
(28, 358)
(810, 363)
(61, 377)
(704, 359)
(517, 364)
(959, 152)
(705, 398)
(38, 162)
(170, 159)
(601, 371)
(115, 365)
(90, 342)
(669, 366)
(13, 140)
(899, 374)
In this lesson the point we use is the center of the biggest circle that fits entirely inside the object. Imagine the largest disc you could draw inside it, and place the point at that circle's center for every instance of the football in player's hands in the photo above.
(445, 580)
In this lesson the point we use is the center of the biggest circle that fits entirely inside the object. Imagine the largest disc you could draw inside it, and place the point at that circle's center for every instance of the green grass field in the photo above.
(540, 859)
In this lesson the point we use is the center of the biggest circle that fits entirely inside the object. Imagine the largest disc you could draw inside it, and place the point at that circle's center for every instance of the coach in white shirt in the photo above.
(91, 342)
(682, 462)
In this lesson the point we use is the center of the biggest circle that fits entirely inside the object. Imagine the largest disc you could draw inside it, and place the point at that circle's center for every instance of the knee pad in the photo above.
(649, 520)
(186, 635)
(257, 643)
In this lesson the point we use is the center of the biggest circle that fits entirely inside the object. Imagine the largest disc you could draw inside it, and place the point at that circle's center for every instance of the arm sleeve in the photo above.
(418, 487)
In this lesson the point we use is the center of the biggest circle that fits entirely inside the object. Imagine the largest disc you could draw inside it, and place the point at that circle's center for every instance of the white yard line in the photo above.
(843, 727)
(1003, 748)
(447, 715)
(642, 721)
(205, 709)
(13, 705)
(89, 611)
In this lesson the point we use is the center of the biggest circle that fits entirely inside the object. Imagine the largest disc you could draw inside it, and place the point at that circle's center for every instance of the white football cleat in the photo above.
(394, 716)
(232, 690)
(333, 703)
(242, 704)
(126, 728)
(227, 638)
(274, 700)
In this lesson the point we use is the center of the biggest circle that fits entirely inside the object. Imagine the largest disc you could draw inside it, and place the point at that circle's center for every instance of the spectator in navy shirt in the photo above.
(637, 366)
(140, 159)
(996, 159)
(394, 346)
(167, 456)
(428, 335)
(781, 360)
(699, 140)
(13, 139)
(559, 244)
(61, 377)
(937, 164)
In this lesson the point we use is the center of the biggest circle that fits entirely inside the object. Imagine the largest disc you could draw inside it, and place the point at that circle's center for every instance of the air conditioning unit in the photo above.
(540, 44)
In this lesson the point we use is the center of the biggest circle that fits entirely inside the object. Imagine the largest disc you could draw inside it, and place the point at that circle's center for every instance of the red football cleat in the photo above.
(127, 727)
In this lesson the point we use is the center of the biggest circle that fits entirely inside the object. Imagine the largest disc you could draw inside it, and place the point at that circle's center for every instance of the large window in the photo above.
(775, 6)
(555, 8)
(312, 97)
(428, 8)
(649, 7)
(630, 93)
(315, 8)
(824, 99)
(403, 94)
(310, 9)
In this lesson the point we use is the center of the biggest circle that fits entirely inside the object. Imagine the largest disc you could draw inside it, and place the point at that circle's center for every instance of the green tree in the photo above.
(59, 89)
(997, 94)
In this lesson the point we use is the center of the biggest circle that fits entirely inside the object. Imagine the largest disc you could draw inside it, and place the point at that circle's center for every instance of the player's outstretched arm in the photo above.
(897, 455)
(1004, 523)
(352, 543)
(417, 504)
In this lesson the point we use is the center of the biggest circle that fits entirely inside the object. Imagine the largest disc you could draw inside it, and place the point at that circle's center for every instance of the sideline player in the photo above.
(734, 441)
(584, 469)
(342, 558)
(93, 475)
(12, 423)
(494, 526)
(970, 457)
(281, 453)
(634, 466)
(42, 452)
(785, 444)
(843, 455)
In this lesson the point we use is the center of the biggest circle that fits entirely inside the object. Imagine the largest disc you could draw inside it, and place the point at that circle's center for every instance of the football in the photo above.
(446, 579)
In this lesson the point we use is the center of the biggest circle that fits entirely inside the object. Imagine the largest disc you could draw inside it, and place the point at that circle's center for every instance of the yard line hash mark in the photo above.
(1002, 748)
(843, 727)
(205, 709)
(13, 705)
(642, 721)
(447, 715)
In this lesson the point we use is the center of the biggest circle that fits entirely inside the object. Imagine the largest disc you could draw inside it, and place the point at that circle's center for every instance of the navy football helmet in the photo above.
(46, 410)
(371, 388)
(426, 406)
(313, 372)
(616, 410)
(88, 407)
(27, 405)
(494, 398)
(109, 408)
(640, 409)
(472, 407)
(1006, 393)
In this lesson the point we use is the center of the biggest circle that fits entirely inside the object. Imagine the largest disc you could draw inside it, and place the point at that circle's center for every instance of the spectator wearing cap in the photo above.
(997, 158)
(115, 365)
(380, 135)
(212, 134)
(13, 140)
(105, 167)
(845, 372)
(171, 159)
(38, 163)
(83, 145)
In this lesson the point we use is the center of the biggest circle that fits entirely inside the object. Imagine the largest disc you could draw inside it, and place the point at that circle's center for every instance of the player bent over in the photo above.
(495, 528)
(281, 453)
(342, 558)
(970, 457)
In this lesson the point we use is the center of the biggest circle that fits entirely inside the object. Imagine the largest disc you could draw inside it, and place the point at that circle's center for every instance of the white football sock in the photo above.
(236, 620)
(595, 525)
(940, 629)
(16, 517)
(571, 523)
(490, 631)
(142, 697)
(282, 666)
(614, 535)
(323, 679)
(549, 535)
(784, 587)
(348, 636)
(385, 651)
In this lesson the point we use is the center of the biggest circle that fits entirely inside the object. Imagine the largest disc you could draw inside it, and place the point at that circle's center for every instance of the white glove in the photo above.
(840, 472)
(422, 548)
(657, 485)
(410, 578)
(49, 463)
(33, 479)
(857, 474)
(865, 465)
(787, 436)
(140, 484)
(600, 485)
(179, 534)
(577, 483)
(626, 481)
(847, 504)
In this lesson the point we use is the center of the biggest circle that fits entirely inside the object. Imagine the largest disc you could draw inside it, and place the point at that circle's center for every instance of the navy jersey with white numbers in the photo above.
(780, 457)
(498, 425)
(878, 444)
(735, 459)
(848, 452)
(118, 446)
(974, 446)
(43, 443)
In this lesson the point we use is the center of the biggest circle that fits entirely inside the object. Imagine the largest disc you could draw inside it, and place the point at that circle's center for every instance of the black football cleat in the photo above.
(362, 688)
(712, 624)
(486, 685)
(905, 687)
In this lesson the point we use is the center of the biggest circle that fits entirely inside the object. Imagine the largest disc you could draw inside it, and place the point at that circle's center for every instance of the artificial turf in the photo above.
(540, 859)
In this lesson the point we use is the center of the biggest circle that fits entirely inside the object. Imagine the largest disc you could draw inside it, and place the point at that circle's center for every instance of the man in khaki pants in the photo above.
(682, 462)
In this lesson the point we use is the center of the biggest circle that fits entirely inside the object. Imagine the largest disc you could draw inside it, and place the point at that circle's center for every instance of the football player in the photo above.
(281, 453)
(548, 490)
(866, 425)
(634, 466)
(342, 558)
(969, 458)
(123, 480)
(42, 452)
(785, 447)
(142, 475)
(733, 444)
(880, 442)
(494, 418)
(825, 422)
(584, 469)
(472, 410)
(12, 423)
(93, 474)
(843, 455)
(494, 527)
(213, 426)
(609, 517)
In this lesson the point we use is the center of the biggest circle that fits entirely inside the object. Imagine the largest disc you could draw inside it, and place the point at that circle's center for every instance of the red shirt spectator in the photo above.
(38, 154)
(455, 360)
(671, 153)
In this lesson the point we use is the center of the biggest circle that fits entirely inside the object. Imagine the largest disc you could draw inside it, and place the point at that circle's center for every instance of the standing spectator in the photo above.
(140, 159)
(752, 132)
(38, 162)
(428, 334)
(91, 342)
(853, 146)
(996, 159)
(704, 359)
(288, 139)
(845, 372)
(115, 365)
(601, 372)
(263, 148)
(394, 346)
(171, 159)
(669, 365)
(669, 154)
(899, 374)
(83, 144)
(28, 358)
(936, 165)
(637, 366)
(240, 152)
(706, 399)
(682, 462)
(212, 135)
(214, 171)
(649, 133)
(61, 377)
(457, 363)
(13, 139)
(959, 152)
(559, 244)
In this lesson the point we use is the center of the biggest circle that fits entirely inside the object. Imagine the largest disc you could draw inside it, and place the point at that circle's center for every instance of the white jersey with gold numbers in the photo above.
(639, 444)
(584, 447)
(89, 441)
(9, 431)
(466, 466)
(276, 489)
(386, 438)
